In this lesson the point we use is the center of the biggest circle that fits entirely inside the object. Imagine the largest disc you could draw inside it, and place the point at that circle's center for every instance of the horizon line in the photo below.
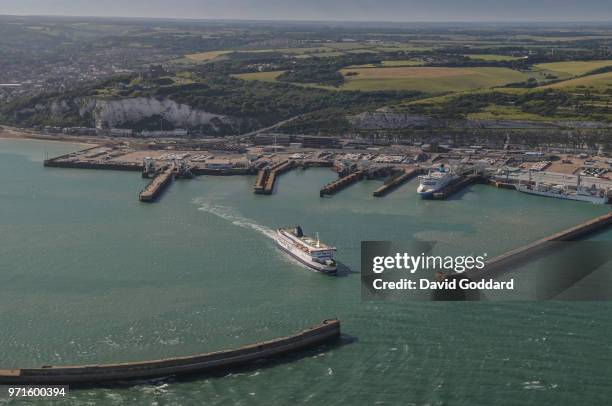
(277, 20)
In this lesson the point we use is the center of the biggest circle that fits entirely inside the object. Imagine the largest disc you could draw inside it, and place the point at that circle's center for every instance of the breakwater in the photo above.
(115, 166)
(396, 181)
(510, 259)
(326, 331)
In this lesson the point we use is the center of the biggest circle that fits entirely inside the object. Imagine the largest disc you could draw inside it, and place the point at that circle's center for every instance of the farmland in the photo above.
(205, 56)
(401, 62)
(326, 73)
(428, 79)
(573, 68)
(492, 57)
(601, 81)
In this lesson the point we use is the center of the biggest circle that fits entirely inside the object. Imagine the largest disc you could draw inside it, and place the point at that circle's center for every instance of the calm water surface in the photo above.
(88, 274)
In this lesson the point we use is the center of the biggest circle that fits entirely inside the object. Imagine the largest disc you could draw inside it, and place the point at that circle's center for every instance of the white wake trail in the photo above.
(229, 214)
(236, 219)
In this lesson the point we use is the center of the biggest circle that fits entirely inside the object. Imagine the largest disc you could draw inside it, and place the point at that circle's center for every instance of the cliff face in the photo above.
(112, 113)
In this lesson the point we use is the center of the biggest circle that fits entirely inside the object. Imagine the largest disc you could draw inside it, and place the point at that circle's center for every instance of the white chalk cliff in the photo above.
(110, 113)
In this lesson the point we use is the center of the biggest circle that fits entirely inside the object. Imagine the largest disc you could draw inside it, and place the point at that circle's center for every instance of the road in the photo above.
(263, 130)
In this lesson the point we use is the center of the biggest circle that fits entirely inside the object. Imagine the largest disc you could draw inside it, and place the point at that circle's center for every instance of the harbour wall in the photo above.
(337, 185)
(504, 262)
(396, 182)
(457, 185)
(94, 165)
(266, 178)
(326, 331)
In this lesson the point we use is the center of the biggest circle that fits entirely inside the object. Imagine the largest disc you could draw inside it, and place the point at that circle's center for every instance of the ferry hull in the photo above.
(286, 244)
(312, 266)
(425, 194)
(426, 191)
(579, 198)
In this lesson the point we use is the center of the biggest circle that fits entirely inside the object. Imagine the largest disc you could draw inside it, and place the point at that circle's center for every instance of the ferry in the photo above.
(434, 181)
(582, 194)
(309, 251)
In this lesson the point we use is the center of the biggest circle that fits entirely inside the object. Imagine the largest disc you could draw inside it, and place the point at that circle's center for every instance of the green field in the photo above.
(206, 56)
(560, 38)
(572, 68)
(326, 54)
(429, 79)
(346, 46)
(261, 76)
(601, 81)
(497, 112)
(388, 64)
(424, 79)
(328, 49)
(492, 57)
(293, 51)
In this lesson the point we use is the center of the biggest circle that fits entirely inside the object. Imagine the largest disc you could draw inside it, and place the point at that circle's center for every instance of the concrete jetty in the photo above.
(501, 184)
(456, 186)
(157, 185)
(396, 181)
(260, 182)
(220, 361)
(197, 170)
(266, 178)
(341, 183)
(77, 164)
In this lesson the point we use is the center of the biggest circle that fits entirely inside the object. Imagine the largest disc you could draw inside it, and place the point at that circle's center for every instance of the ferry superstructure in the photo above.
(434, 181)
(582, 194)
(309, 251)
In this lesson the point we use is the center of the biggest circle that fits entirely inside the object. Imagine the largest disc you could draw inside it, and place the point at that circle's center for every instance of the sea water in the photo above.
(88, 274)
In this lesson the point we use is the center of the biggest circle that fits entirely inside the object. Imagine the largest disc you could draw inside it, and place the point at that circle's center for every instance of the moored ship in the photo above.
(435, 181)
(309, 251)
(581, 194)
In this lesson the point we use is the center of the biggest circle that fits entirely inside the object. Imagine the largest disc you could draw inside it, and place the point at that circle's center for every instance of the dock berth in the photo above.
(337, 185)
(396, 181)
(156, 186)
(456, 186)
(266, 177)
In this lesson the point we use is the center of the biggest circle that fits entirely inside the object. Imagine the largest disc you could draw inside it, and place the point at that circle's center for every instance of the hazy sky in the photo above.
(380, 10)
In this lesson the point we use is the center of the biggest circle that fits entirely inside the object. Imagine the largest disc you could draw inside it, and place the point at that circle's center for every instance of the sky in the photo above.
(335, 10)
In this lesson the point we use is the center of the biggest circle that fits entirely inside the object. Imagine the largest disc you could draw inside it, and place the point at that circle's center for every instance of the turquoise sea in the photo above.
(88, 274)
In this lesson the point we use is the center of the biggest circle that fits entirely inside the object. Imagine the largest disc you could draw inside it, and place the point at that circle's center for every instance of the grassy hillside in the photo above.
(573, 68)
(428, 79)
(602, 80)
(206, 56)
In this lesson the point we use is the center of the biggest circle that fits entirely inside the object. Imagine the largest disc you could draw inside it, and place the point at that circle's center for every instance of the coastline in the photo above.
(14, 134)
